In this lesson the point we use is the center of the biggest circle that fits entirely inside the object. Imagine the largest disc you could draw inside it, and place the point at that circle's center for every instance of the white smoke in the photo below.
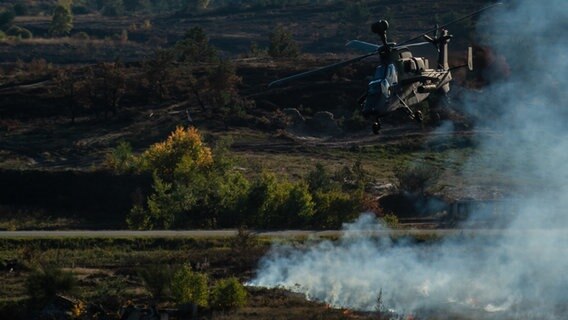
(524, 271)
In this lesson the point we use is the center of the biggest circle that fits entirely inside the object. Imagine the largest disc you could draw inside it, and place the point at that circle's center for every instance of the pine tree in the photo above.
(62, 21)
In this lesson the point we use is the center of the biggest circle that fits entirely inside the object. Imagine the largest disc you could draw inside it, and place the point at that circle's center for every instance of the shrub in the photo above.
(189, 286)
(228, 294)
(45, 283)
(19, 32)
(390, 221)
(335, 207)
(282, 44)
(157, 279)
(81, 36)
(319, 179)
(415, 179)
(121, 159)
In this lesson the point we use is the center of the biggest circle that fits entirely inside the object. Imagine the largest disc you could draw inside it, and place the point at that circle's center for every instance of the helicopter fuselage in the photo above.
(401, 81)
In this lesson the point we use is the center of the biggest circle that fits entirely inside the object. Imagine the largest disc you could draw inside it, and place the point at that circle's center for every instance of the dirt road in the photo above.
(268, 234)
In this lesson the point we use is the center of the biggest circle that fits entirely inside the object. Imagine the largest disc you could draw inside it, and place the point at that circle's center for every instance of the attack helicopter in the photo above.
(400, 80)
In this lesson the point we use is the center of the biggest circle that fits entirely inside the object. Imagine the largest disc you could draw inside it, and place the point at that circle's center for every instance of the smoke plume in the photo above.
(520, 274)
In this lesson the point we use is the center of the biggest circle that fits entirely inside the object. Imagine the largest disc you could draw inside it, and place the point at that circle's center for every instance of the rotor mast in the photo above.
(441, 44)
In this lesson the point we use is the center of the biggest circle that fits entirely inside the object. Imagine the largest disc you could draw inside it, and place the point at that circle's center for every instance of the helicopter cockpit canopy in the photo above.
(380, 90)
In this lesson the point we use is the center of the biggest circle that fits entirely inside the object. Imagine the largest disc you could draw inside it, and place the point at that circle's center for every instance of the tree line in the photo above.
(195, 186)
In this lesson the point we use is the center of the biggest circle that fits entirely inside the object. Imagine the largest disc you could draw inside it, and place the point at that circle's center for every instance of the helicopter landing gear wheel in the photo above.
(377, 126)
(418, 116)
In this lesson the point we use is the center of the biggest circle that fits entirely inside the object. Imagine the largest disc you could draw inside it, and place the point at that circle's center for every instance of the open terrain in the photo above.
(63, 204)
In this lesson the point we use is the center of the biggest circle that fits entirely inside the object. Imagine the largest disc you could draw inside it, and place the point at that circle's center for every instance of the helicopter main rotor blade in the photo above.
(320, 70)
(363, 46)
(413, 45)
(451, 22)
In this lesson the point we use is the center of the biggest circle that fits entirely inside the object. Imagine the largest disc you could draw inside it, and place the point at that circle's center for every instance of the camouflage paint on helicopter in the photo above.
(401, 80)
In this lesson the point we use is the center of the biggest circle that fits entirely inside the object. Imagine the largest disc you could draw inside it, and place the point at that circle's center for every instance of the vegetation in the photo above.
(190, 287)
(228, 294)
(45, 282)
(196, 187)
(415, 179)
(157, 279)
(282, 44)
(61, 21)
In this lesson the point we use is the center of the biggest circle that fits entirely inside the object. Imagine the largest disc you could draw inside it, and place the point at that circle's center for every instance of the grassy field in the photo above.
(107, 271)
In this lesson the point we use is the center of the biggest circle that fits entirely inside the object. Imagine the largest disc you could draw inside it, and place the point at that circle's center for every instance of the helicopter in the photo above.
(400, 80)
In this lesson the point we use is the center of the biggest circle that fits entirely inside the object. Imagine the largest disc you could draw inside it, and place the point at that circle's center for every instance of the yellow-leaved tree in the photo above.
(179, 156)
(191, 187)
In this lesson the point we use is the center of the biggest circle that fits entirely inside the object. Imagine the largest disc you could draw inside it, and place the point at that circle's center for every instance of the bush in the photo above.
(228, 294)
(121, 159)
(157, 279)
(390, 221)
(44, 284)
(190, 287)
(415, 179)
(19, 32)
(336, 207)
(319, 179)
(282, 44)
(81, 36)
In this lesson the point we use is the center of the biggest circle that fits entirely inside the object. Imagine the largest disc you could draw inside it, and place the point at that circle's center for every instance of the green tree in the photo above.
(61, 22)
(282, 44)
(189, 286)
(158, 72)
(121, 159)
(222, 81)
(103, 87)
(335, 207)
(298, 208)
(228, 294)
(319, 179)
(195, 47)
